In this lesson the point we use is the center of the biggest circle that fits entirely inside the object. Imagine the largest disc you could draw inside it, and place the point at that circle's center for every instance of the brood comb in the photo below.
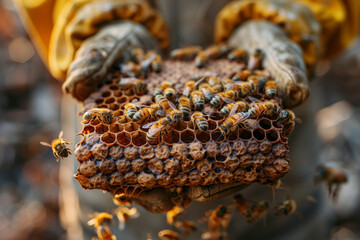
(117, 157)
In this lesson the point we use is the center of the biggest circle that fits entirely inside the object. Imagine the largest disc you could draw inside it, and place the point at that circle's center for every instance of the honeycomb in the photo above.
(117, 157)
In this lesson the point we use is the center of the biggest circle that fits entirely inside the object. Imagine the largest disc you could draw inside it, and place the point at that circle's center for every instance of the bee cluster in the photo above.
(184, 126)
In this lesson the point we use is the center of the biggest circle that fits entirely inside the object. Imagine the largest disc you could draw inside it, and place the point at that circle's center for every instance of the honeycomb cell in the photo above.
(109, 100)
(172, 138)
(247, 158)
(172, 167)
(252, 146)
(124, 138)
(245, 134)
(269, 159)
(180, 179)
(181, 126)
(131, 153)
(146, 152)
(94, 122)
(258, 159)
(122, 100)
(88, 168)
(138, 165)
(99, 100)
(187, 136)
(265, 146)
(265, 124)
(99, 150)
(225, 149)
(231, 163)
(232, 137)
(203, 166)
(115, 128)
(117, 94)
(114, 87)
(164, 180)
(108, 138)
(226, 176)
(115, 152)
(281, 165)
(196, 151)
(218, 167)
(202, 136)
(212, 125)
(194, 178)
(92, 138)
(82, 153)
(114, 106)
(272, 136)
(88, 129)
(155, 166)
(130, 178)
(240, 148)
(146, 180)
(99, 181)
(217, 136)
(116, 179)
(279, 150)
(106, 94)
(210, 178)
(123, 165)
(179, 151)
(212, 149)
(216, 116)
(138, 138)
(101, 129)
(107, 166)
(131, 127)
(162, 152)
(259, 134)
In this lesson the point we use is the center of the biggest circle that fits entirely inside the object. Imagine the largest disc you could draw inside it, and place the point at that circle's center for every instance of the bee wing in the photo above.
(206, 91)
(243, 116)
(135, 100)
(254, 100)
(298, 120)
(227, 100)
(161, 113)
(45, 144)
(172, 105)
(148, 125)
(199, 81)
(234, 109)
(155, 130)
(61, 133)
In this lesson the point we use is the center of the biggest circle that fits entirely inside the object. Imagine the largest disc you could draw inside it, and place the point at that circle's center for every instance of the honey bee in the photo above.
(185, 226)
(239, 107)
(137, 55)
(101, 222)
(102, 114)
(130, 69)
(232, 123)
(170, 94)
(213, 235)
(167, 234)
(219, 218)
(238, 54)
(242, 76)
(243, 88)
(227, 84)
(157, 129)
(187, 53)
(58, 146)
(255, 61)
(332, 174)
(176, 116)
(173, 214)
(155, 60)
(121, 200)
(243, 207)
(223, 97)
(199, 120)
(130, 109)
(164, 85)
(164, 103)
(213, 81)
(259, 109)
(185, 106)
(124, 214)
(198, 99)
(148, 113)
(258, 210)
(286, 208)
(270, 88)
(198, 76)
(201, 59)
(207, 91)
(136, 85)
(288, 119)
(189, 87)
(256, 82)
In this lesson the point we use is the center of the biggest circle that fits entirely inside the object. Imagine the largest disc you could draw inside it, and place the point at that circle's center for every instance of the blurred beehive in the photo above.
(117, 157)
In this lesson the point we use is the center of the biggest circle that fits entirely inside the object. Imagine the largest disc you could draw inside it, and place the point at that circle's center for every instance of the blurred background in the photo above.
(30, 101)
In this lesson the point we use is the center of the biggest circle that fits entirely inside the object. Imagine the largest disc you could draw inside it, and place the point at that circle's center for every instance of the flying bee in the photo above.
(170, 94)
(219, 218)
(185, 226)
(258, 210)
(243, 88)
(232, 123)
(189, 87)
(130, 69)
(243, 207)
(148, 113)
(124, 214)
(223, 97)
(185, 106)
(332, 174)
(137, 55)
(167, 234)
(136, 85)
(173, 214)
(286, 208)
(262, 108)
(201, 59)
(58, 146)
(158, 128)
(256, 58)
(121, 200)
(198, 99)
(270, 88)
(164, 85)
(102, 114)
(241, 76)
(199, 120)
(164, 103)
(238, 54)
(187, 53)
(130, 109)
(101, 222)
(239, 106)
(288, 119)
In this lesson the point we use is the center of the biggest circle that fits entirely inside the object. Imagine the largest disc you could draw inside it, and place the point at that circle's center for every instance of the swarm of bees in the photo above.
(59, 147)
